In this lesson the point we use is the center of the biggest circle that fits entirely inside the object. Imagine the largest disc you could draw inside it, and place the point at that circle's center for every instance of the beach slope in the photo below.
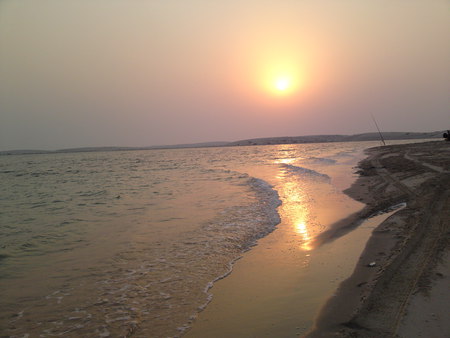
(400, 286)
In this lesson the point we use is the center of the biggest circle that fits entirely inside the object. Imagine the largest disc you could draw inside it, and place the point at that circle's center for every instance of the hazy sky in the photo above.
(79, 73)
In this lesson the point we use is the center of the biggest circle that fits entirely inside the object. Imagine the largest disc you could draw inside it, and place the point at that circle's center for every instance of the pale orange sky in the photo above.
(136, 73)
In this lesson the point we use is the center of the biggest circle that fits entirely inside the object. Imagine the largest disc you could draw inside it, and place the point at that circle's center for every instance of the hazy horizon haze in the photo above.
(143, 73)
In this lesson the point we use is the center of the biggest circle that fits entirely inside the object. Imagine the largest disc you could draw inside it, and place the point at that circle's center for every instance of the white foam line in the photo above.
(387, 210)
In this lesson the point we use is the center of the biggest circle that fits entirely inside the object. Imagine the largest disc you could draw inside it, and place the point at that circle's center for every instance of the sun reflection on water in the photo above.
(285, 160)
(302, 230)
(295, 209)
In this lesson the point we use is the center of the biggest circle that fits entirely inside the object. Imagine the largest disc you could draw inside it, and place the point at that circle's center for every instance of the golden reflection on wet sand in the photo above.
(302, 230)
(276, 289)
(295, 209)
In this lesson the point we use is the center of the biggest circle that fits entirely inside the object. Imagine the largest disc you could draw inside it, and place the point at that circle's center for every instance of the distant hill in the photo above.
(394, 136)
(337, 138)
(93, 149)
(256, 141)
(25, 152)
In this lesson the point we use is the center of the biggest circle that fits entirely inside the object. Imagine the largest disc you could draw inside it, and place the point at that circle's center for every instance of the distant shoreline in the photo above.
(248, 142)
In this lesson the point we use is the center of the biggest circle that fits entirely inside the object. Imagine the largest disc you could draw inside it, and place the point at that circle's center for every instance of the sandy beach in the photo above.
(399, 287)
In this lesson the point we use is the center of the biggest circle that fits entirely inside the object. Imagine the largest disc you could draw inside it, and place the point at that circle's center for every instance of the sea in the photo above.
(129, 243)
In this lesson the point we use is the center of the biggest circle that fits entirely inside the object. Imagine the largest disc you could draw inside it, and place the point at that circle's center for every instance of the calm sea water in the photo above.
(120, 243)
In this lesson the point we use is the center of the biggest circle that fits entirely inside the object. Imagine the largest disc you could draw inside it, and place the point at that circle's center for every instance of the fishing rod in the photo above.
(379, 132)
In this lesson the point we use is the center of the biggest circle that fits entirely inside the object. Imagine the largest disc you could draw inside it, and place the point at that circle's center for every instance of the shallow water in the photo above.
(276, 290)
(113, 243)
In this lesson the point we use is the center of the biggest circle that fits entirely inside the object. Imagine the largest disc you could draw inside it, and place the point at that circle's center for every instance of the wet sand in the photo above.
(399, 287)
(276, 290)
(279, 286)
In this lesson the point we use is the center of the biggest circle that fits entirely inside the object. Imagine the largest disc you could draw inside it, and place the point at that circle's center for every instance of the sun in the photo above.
(282, 84)
(279, 74)
(282, 80)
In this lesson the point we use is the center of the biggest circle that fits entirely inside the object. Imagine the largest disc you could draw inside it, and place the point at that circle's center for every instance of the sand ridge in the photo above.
(393, 298)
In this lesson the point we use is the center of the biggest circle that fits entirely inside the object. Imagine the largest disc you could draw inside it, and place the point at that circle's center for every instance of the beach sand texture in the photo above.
(404, 292)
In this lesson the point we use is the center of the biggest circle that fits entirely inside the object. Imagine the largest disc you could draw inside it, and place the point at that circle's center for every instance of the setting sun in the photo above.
(282, 79)
(277, 69)
(282, 84)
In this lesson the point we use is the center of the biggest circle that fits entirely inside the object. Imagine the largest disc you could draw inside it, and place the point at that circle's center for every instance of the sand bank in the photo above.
(404, 292)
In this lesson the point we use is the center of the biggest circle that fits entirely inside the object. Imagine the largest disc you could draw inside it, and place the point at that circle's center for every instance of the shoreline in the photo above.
(389, 298)
(278, 285)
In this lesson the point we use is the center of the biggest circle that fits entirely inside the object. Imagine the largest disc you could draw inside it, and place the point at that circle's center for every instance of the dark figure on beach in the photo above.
(447, 135)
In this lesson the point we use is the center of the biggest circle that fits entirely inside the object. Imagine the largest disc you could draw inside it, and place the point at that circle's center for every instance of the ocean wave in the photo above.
(239, 230)
(321, 160)
(305, 172)
(240, 226)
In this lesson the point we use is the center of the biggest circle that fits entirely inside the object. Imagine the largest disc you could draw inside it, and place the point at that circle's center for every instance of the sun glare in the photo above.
(282, 80)
(282, 84)
(278, 70)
